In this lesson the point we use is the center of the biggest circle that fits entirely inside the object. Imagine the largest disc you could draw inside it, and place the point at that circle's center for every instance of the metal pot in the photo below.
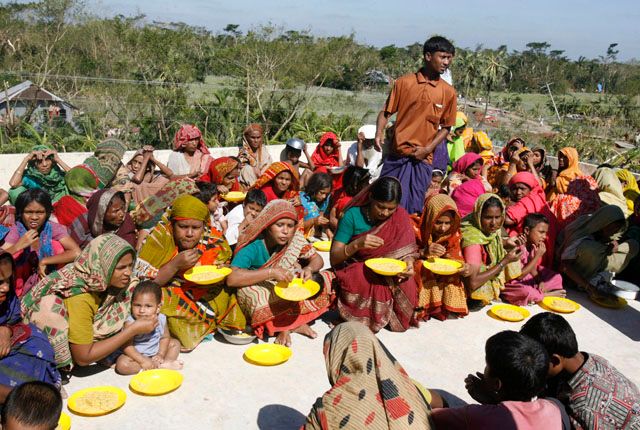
(296, 143)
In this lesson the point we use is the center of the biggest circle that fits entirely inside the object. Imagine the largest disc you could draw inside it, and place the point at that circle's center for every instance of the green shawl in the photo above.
(52, 182)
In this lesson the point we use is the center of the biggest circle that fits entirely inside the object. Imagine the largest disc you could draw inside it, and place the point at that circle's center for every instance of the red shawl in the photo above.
(186, 133)
(219, 169)
(321, 158)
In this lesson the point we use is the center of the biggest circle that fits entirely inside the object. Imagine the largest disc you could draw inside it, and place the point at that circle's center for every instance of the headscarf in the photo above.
(82, 182)
(264, 182)
(150, 164)
(186, 133)
(466, 194)
(52, 182)
(150, 210)
(434, 208)
(369, 388)
(322, 159)
(631, 190)
(481, 144)
(611, 189)
(587, 225)
(467, 160)
(219, 169)
(10, 308)
(273, 212)
(571, 172)
(97, 207)
(106, 160)
(247, 154)
(526, 178)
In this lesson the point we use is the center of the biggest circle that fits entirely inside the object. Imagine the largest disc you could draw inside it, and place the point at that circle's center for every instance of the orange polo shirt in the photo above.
(422, 106)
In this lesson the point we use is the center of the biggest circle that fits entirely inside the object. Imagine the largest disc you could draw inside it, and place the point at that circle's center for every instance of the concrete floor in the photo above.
(222, 391)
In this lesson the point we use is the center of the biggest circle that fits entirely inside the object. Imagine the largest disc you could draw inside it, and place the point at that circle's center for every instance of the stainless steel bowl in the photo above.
(233, 336)
(296, 143)
(626, 290)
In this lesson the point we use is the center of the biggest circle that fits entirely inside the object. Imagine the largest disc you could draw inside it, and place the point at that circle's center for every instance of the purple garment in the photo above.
(441, 157)
(415, 177)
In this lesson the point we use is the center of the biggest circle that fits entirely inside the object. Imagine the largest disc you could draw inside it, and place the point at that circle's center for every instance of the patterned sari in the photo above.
(439, 295)
(369, 388)
(218, 171)
(52, 182)
(269, 312)
(292, 195)
(149, 211)
(90, 273)
(376, 300)
(193, 311)
(254, 163)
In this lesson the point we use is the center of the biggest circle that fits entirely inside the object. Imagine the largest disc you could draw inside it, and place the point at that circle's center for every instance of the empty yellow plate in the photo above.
(442, 266)
(560, 304)
(510, 312)
(297, 290)
(156, 382)
(386, 266)
(206, 275)
(267, 354)
(234, 196)
(96, 401)
(323, 245)
(64, 423)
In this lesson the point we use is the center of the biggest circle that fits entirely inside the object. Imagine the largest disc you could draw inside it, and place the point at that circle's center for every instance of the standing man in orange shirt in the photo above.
(425, 108)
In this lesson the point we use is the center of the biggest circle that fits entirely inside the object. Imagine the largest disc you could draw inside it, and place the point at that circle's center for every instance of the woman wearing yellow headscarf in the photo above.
(629, 186)
(183, 239)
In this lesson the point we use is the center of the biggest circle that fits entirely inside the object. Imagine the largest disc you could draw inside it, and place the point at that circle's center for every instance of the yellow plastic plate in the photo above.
(234, 196)
(386, 266)
(442, 266)
(156, 382)
(610, 302)
(560, 304)
(510, 312)
(267, 354)
(323, 245)
(206, 275)
(297, 290)
(425, 393)
(64, 423)
(77, 406)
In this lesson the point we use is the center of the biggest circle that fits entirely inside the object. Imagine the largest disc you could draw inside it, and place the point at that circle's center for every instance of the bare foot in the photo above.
(305, 330)
(173, 365)
(556, 293)
(283, 338)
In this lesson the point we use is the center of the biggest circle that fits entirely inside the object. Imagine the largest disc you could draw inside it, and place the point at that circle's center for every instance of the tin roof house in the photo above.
(40, 105)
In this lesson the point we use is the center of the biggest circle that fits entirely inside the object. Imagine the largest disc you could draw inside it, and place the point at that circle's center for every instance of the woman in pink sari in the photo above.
(374, 226)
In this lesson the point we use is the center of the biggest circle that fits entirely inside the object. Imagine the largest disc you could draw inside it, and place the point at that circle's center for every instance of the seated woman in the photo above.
(183, 239)
(315, 201)
(589, 250)
(142, 173)
(537, 280)
(467, 182)
(43, 169)
(440, 295)
(490, 265)
(253, 154)
(25, 352)
(497, 174)
(527, 197)
(81, 183)
(385, 398)
(353, 181)
(574, 193)
(38, 244)
(610, 187)
(106, 213)
(224, 172)
(83, 306)
(271, 250)
(280, 181)
(190, 157)
(629, 187)
(374, 225)
(327, 156)
(545, 172)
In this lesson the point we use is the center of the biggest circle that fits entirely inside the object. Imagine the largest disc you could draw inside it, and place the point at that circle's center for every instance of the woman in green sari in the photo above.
(42, 168)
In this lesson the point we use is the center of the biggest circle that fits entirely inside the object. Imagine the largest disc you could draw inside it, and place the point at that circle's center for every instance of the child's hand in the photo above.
(322, 221)
(437, 250)
(158, 359)
(479, 390)
(542, 248)
(148, 364)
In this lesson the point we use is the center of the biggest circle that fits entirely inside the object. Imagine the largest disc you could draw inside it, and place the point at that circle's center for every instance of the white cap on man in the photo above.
(369, 131)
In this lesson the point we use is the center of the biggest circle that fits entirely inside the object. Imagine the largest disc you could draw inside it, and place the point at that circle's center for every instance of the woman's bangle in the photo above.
(270, 276)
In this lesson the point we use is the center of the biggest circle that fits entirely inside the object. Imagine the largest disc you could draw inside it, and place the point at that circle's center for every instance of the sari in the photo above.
(630, 188)
(106, 160)
(81, 182)
(219, 169)
(534, 202)
(611, 192)
(31, 356)
(269, 313)
(369, 387)
(321, 159)
(177, 162)
(193, 311)
(493, 251)
(254, 163)
(466, 194)
(91, 224)
(152, 181)
(52, 182)
(372, 299)
(292, 195)
(439, 295)
(91, 272)
(544, 169)
(148, 212)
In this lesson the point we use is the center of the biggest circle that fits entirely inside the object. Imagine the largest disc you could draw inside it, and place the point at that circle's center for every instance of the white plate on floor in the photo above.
(626, 290)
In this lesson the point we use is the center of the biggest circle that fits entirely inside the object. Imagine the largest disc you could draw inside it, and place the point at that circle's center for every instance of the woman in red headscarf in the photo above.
(190, 156)
(328, 156)
(280, 181)
(224, 172)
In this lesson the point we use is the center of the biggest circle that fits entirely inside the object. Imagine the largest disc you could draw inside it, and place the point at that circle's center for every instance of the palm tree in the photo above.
(493, 69)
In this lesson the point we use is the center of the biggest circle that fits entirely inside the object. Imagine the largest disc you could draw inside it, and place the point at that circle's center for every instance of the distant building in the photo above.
(29, 97)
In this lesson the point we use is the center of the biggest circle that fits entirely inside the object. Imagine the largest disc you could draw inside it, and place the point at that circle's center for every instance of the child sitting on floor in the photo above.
(152, 350)
(209, 196)
(536, 281)
(243, 214)
(354, 180)
(316, 199)
(33, 405)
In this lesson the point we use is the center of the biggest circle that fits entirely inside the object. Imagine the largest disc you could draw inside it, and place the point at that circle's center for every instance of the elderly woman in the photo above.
(38, 244)
(42, 168)
(145, 180)
(253, 155)
(224, 172)
(83, 306)
(190, 157)
(271, 250)
(106, 213)
(374, 225)
(25, 352)
(183, 239)
(490, 265)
